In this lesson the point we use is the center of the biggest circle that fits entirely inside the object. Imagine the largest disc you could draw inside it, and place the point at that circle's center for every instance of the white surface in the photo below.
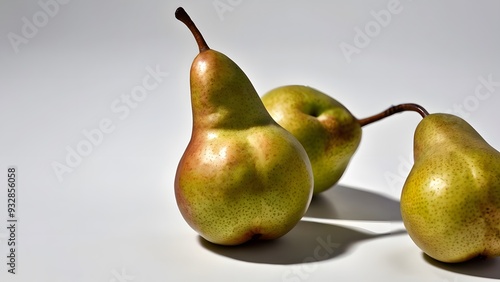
(114, 217)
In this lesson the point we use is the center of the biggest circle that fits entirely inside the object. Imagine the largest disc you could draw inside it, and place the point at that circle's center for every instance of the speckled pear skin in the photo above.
(450, 203)
(329, 133)
(242, 176)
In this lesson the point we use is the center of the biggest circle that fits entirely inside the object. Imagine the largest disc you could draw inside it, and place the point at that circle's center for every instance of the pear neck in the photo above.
(222, 96)
(445, 131)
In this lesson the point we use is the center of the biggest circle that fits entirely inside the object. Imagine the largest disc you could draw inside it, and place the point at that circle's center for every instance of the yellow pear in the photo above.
(242, 176)
(450, 203)
(327, 130)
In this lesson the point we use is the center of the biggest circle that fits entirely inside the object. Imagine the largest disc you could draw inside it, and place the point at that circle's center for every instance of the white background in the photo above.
(113, 217)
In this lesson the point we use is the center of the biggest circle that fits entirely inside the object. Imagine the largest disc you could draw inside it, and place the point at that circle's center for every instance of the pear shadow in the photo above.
(311, 241)
(306, 242)
(478, 267)
(342, 202)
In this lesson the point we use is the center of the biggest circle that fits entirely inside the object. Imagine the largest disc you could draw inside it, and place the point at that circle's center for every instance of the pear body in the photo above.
(242, 176)
(329, 133)
(450, 203)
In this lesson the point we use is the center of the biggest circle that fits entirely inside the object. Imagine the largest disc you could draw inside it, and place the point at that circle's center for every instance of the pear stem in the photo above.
(183, 16)
(393, 110)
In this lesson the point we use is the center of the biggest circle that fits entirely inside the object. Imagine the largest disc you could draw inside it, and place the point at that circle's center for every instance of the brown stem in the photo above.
(393, 110)
(182, 16)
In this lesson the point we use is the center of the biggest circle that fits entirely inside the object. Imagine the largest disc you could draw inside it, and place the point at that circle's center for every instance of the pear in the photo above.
(242, 176)
(328, 131)
(450, 203)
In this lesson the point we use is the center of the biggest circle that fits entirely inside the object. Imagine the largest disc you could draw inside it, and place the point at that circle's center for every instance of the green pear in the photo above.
(329, 133)
(242, 176)
(450, 203)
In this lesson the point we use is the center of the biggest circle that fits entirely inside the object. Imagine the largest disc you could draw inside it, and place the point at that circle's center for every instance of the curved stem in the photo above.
(182, 16)
(393, 110)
